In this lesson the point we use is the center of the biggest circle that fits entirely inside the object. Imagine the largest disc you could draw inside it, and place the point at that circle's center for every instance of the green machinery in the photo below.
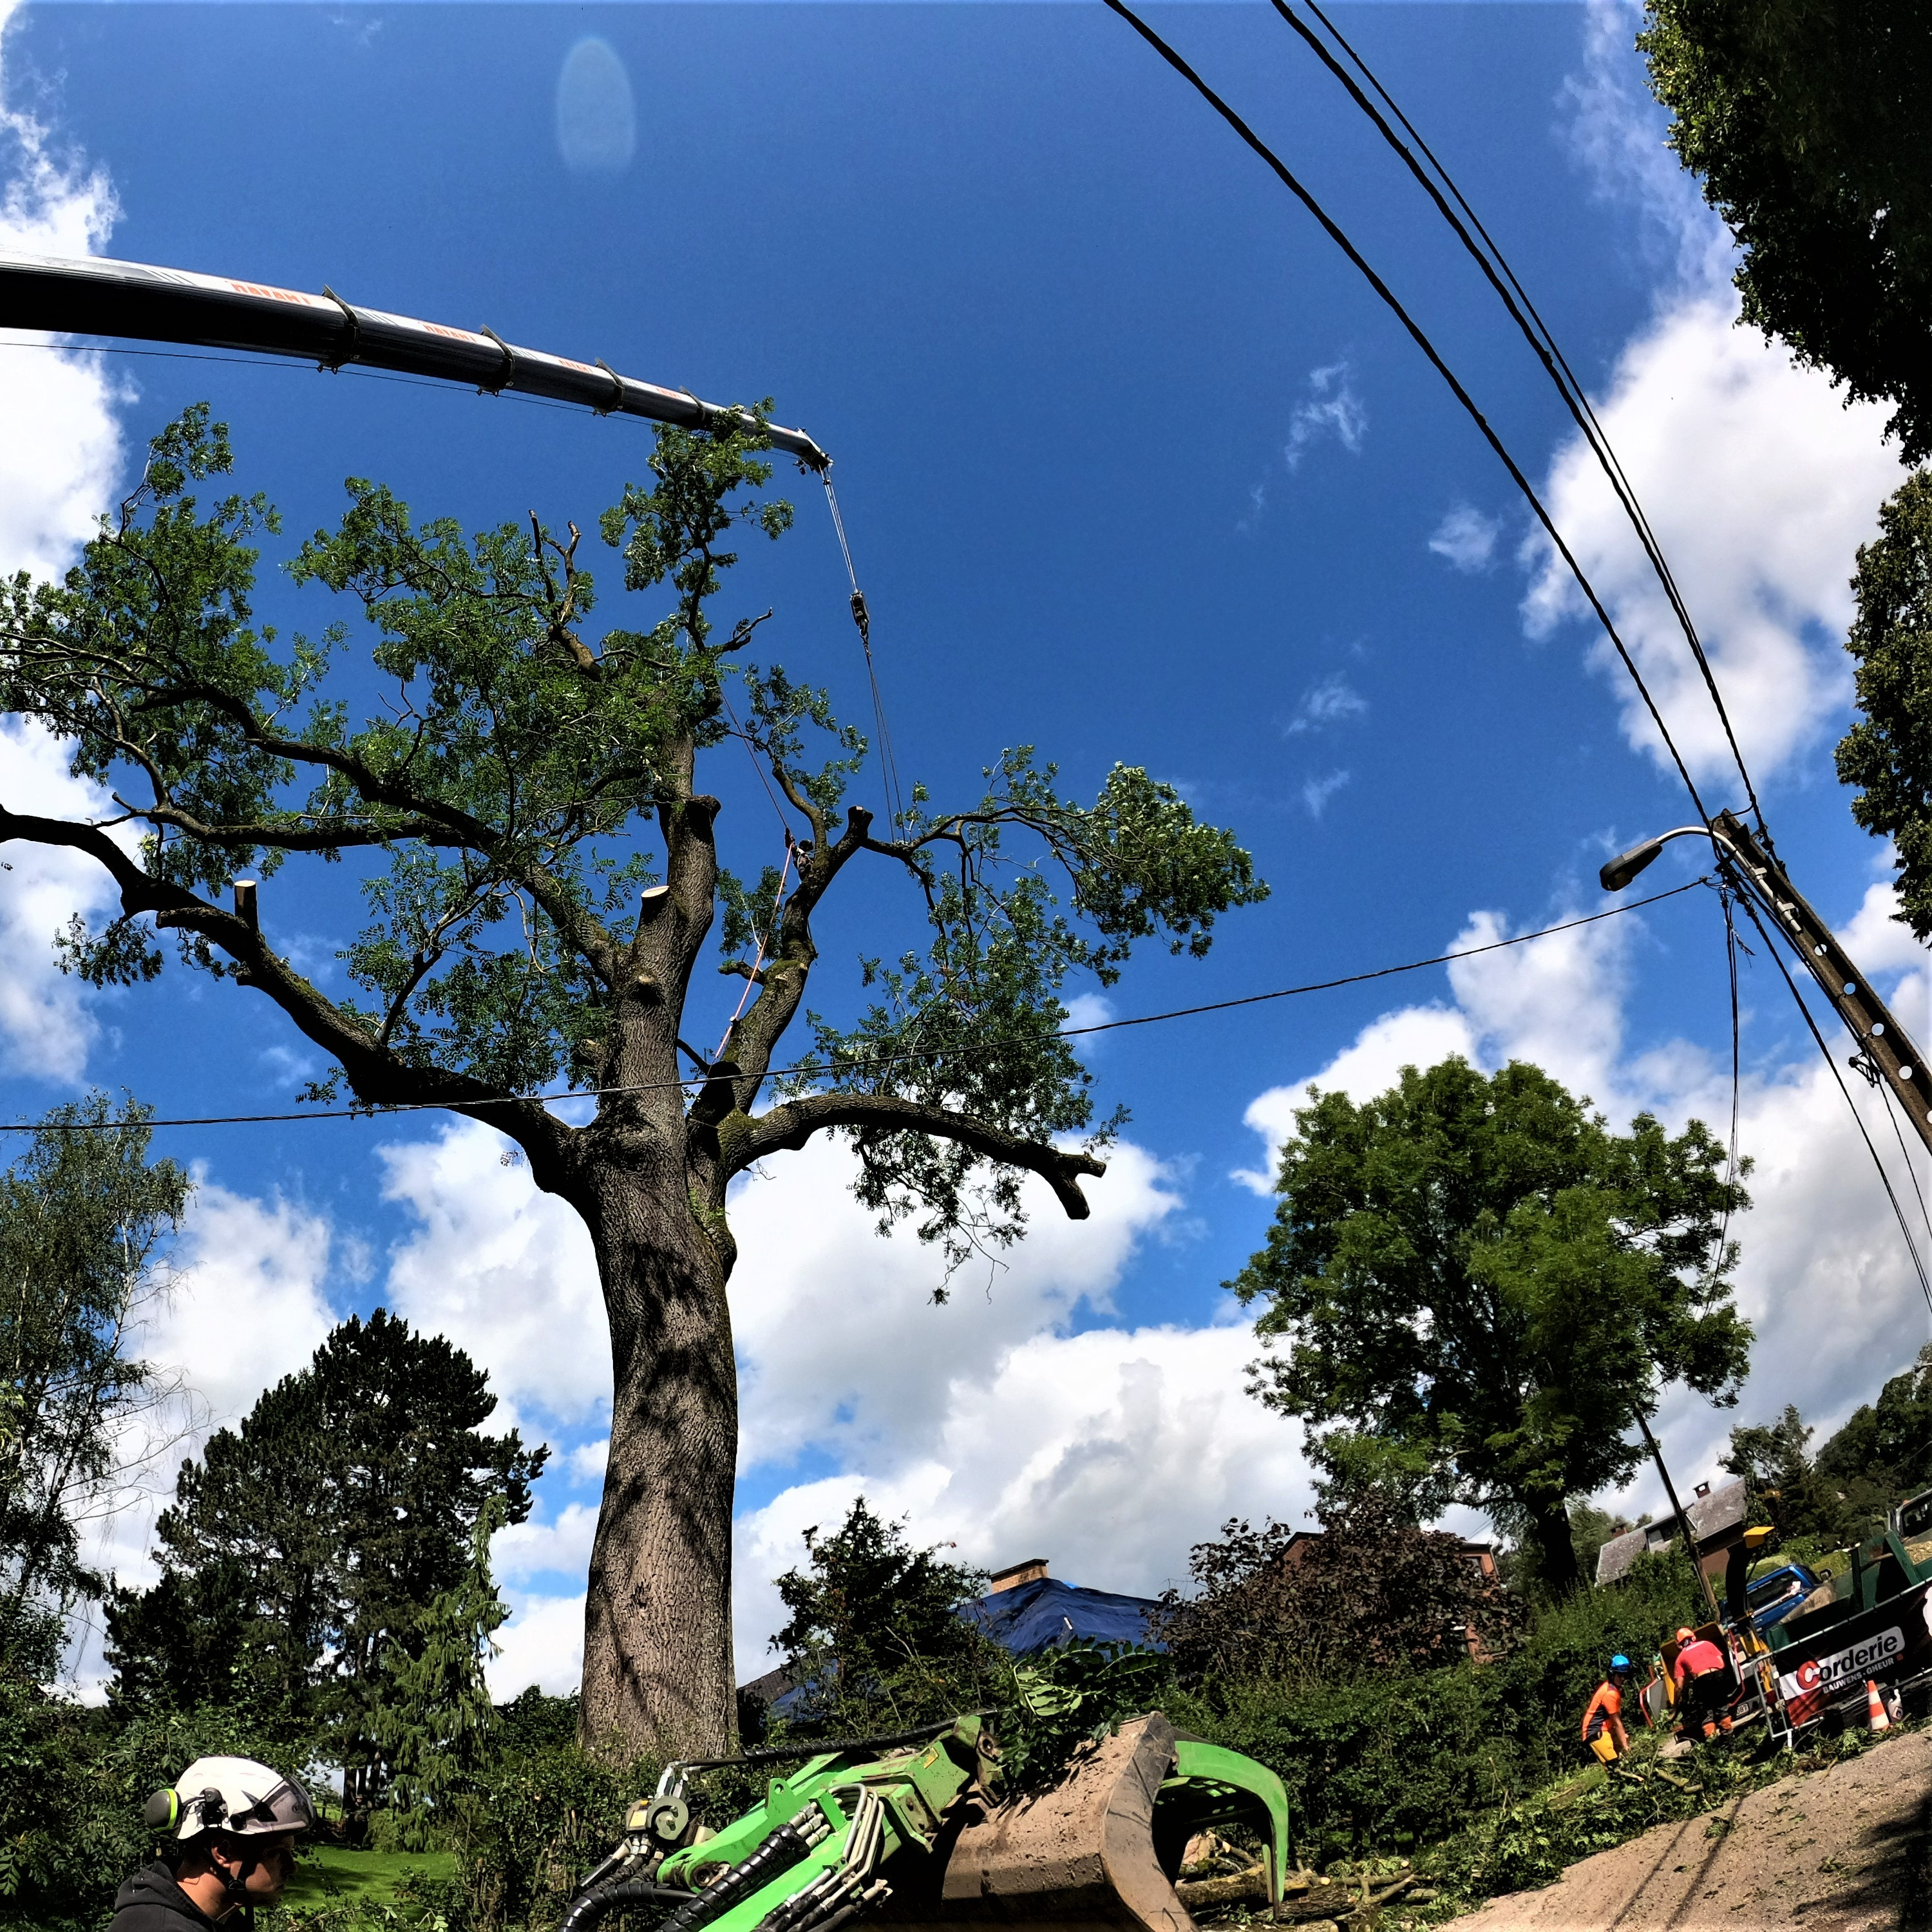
(917, 1831)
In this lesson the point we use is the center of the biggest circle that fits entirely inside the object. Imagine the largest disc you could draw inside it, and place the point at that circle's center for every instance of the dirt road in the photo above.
(1849, 1849)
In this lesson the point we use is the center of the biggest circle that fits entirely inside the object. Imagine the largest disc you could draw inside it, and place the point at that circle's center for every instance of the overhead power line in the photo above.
(807, 1068)
(1489, 257)
(1336, 234)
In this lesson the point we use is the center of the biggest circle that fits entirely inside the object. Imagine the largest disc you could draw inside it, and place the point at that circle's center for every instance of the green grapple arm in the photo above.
(917, 1836)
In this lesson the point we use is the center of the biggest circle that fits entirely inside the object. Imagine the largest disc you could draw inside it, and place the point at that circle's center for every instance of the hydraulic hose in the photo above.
(779, 1853)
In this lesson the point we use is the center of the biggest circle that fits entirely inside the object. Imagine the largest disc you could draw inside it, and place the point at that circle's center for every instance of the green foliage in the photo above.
(1881, 1455)
(72, 1782)
(507, 787)
(84, 1221)
(431, 1717)
(1372, 1592)
(873, 1640)
(541, 1814)
(1079, 1691)
(1807, 120)
(300, 1551)
(1888, 754)
(1395, 1760)
(1478, 1273)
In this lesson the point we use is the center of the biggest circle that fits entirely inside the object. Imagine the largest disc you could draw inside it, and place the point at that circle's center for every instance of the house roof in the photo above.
(1030, 1617)
(1713, 1517)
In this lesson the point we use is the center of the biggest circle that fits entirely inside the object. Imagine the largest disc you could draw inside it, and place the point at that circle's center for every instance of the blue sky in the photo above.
(1135, 467)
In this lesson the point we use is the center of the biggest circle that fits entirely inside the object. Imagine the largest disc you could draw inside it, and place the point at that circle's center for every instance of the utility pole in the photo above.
(1886, 1051)
(1677, 1509)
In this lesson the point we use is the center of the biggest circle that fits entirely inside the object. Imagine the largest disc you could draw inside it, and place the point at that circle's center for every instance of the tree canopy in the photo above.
(312, 1552)
(85, 1220)
(1888, 754)
(1371, 1592)
(540, 871)
(874, 1633)
(1474, 1282)
(1811, 122)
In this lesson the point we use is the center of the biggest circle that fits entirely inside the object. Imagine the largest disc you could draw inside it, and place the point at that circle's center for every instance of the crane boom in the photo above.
(95, 296)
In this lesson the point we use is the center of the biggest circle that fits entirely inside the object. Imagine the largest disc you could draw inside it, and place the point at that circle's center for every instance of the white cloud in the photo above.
(1316, 792)
(46, 1028)
(246, 1306)
(527, 1550)
(542, 1644)
(507, 1272)
(1330, 702)
(1758, 480)
(1760, 484)
(1467, 538)
(840, 1347)
(1067, 1447)
(1331, 408)
(62, 449)
(1825, 1276)
(1617, 129)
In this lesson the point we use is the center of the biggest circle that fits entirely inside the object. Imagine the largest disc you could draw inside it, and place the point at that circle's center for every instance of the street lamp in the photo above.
(1626, 865)
(1886, 1052)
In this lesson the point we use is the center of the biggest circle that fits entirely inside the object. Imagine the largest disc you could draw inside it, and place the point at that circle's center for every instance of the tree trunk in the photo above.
(1556, 1551)
(659, 1672)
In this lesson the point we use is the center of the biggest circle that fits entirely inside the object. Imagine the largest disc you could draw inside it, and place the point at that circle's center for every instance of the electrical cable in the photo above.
(1497, 271)
(810, 1069)
(1904, 1153)
(1335, 233)
(1885, 1179)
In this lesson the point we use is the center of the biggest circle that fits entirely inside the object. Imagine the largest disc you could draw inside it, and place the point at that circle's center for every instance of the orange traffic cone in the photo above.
(1876, 1717)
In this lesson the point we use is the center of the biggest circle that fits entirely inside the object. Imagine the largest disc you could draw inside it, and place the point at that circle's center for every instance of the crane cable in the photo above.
(888, 769)
(1510, 292)
(1339, 236)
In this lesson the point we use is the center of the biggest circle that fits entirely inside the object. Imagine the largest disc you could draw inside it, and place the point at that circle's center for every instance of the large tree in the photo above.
(543, 876)
(306, 1550)
(1888, 754)
(84, 1221)
(1811, 122)
(1480, 1283)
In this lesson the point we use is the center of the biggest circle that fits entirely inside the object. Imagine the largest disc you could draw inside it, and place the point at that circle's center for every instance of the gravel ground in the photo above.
(1849, 1849)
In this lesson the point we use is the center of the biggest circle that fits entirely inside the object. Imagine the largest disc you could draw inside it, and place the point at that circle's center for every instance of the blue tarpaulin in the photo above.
(1037, 1616)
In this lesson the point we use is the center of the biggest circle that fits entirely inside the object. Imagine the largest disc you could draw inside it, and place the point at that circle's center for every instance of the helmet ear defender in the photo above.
(163, 1811)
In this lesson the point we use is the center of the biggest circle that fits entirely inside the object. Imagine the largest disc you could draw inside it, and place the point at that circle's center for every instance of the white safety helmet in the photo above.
(234, 1795)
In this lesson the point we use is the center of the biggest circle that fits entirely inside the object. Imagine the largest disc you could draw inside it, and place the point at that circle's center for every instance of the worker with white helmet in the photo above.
(229, 1827)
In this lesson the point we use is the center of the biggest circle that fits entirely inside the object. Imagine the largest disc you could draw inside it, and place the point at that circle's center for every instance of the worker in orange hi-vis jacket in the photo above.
(1703, 1684)
(1603, 1716)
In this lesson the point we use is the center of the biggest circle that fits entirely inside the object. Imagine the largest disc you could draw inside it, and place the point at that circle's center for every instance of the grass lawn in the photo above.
(334, 1872)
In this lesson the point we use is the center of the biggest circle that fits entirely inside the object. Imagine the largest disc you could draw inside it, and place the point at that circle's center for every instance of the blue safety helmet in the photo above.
(1620, 1662)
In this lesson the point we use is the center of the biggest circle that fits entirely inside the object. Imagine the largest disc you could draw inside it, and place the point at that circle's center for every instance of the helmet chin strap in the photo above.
(234, 1885)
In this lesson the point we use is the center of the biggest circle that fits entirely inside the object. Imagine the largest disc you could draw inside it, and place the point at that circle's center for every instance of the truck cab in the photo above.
(1774, 1596)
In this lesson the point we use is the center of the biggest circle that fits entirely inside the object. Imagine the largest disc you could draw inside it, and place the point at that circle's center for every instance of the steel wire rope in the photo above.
(1857, 1119)
(1495, 267)
(888, 769)
(1336, 234)
(809, 1069)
